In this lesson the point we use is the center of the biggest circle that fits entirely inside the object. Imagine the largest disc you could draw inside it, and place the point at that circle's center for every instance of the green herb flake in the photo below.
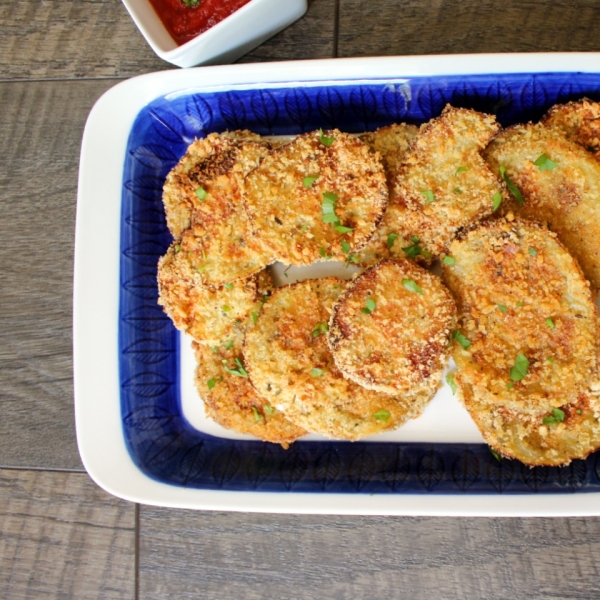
(415, 239)
(322, 252)
(544, 163)
(326, 141)
(345, 247)
(215, 349)
(177, 249)
(429, 196)
(269, 408)
(257, 416)
(413, 250)
(496, 201)
(319, 329)
(550, 360)
(254, 316)
(449, 260)
(519, 371)
(457, 191)
(226, 308)
(370, 306)
(352, 258)
(461, 339)
(450, 381)
(578, 411)
(391, 239)
(514, 190)
(532, 252)
(511, 385)
(557, 416)
(211, 383)
(239, 372)
(550, 323)
(495, 454)
(229, 286)
(502, 308)
(328, 208)
(381, 415)
(411, 286)
(519, 304)
(307, 182)
(317, 372)
(201, 193)
(228, 344)
(343, 229)
(460, 170)
(200, 269)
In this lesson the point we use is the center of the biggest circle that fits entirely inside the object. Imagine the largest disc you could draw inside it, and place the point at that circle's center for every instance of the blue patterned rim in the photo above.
(161, 442)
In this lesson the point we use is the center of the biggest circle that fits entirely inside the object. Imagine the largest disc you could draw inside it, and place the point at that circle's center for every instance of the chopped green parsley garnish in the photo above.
(326, 141)
(201, 193)
(411, 286)
(256, 413)
(177, 249)
(240, 371)
(521, 303)
(191, 3)
(497, 456)
(532, 252)
(323, 253)
(450, 381)
(215, 349)
(514, 190)
(413, 250)
(578, 411)
(343, 229)
(228, 344)
(557, 416)
(320, 328)
(381, 415)
(550, 323)
(254, 316)
(370, 306)
(200, 269)
(391, 239)
(211, 383)
(449, 260)
(317, 372)
(429, 196)
(226, 308)
(308, 181)
(544, 163)
(503, 308)
(229, 286)
(496, 201)
(328, 208)
(269, 408)
(550, 360)
(415, 239)
(460, 170)
(457, 191)
(461, 339)
(519, 371)
(345, 247)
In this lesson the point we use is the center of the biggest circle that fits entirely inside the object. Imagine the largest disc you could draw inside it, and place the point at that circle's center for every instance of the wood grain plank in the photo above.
(42, 125)
(408, 27)
(255, 556)
(61, 536)
(94, 38)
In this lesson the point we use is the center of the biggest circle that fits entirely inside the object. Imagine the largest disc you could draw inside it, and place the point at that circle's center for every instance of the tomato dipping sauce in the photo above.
(185, 19)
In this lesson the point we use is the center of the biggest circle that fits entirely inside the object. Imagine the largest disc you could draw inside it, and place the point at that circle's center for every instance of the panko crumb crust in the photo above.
(443, 183)
(579, 122)
(291, 366)
(390, 330)
(287, 211)
(210, 316)
(526, 350)
(202, 199)
(563, 193)
(231, 400)
(391, 143)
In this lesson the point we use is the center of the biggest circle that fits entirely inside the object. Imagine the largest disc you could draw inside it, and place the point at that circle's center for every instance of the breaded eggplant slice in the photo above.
(319, 196)
(552, 438)
(390, 330)
(291, 366)
(202, 198)
(231, 400)
(527, 341)
(391, 143)
(559, 183)
(443, 183)
(579, 121)
(212, 316)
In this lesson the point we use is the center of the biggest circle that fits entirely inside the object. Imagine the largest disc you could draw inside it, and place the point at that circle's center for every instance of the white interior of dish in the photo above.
(443, 420)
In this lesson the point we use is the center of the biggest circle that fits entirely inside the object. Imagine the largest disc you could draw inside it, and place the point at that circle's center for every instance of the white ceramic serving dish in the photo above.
(233, 37)
(99, 421)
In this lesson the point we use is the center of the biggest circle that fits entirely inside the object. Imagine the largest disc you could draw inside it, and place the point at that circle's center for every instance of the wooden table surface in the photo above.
(63, 537)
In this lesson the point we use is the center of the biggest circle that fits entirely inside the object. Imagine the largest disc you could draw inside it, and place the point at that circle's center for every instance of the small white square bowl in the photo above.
(226, 41)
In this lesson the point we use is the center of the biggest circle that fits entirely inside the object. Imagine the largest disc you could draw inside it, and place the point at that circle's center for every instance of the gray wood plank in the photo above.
(185, 554)
(42, 125)
(63, 537)
(392, 27)
(94, 38)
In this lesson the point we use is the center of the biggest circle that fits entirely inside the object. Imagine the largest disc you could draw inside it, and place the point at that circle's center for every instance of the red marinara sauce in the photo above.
(185, 20)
